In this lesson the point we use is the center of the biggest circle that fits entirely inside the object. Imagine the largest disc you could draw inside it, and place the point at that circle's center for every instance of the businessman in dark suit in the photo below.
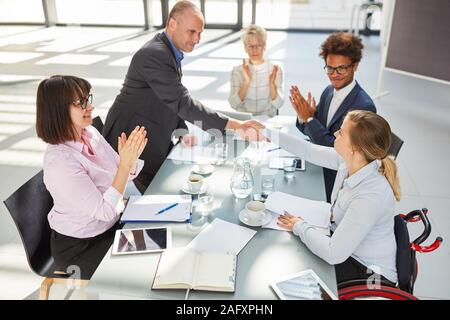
(153, 96)
(342, 52)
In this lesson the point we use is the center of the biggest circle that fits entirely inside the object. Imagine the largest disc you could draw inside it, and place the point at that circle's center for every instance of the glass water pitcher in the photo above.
(242, 180)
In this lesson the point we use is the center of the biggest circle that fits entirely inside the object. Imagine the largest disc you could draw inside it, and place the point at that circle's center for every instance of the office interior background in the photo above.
(95, 39)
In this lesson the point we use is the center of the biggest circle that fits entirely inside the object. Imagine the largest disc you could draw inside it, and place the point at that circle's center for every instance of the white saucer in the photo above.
(208, 170)
(244, 219)
(278, 126)
(185, 188)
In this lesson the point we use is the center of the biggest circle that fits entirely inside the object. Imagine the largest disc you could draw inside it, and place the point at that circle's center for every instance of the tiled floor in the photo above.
(418, 111)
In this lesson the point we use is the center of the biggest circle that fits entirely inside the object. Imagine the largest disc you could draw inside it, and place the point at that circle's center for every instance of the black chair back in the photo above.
(396, 145)
(29, 206)
(405, 257)
(97, 123)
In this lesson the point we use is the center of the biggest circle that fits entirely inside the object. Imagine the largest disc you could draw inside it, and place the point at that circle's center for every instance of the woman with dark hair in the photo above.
(84, 175)
(363, 242)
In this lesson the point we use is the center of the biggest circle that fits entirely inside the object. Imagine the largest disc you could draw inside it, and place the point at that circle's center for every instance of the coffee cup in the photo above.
(195, 182)
(255, 210)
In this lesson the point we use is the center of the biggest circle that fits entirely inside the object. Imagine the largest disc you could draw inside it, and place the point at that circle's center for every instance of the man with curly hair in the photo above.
(342, 52)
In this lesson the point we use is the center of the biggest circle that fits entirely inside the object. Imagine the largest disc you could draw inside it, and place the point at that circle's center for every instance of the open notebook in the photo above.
(208, 262)
(188, 268)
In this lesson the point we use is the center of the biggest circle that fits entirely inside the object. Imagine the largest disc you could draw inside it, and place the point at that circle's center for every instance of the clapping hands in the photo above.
(131, 148)
(304, 108)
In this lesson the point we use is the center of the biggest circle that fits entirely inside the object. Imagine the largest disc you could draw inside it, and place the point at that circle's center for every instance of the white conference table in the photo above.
(269, 255)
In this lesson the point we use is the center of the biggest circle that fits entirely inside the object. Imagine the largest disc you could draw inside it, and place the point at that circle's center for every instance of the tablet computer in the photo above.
(305, 285)
(141, 240)
(278, 163)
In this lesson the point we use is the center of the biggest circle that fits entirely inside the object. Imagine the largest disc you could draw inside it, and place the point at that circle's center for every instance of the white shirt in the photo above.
(258, 100)
(363, 210)
(338, 97)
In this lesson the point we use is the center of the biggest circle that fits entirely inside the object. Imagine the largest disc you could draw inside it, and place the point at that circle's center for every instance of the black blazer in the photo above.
(153, 96)
(321, 133)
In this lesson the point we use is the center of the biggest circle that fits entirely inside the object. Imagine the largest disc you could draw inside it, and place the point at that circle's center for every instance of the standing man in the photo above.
(342, 52)
(154, 97)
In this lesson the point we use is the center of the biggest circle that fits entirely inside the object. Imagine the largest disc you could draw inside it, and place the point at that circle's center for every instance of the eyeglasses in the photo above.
(255, 47)
(82, 103)
(339, 70)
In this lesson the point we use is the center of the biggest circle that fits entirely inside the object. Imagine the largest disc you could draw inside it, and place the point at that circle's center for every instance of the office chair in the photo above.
(363, 7)
(396, 145)
(406, 261)
(29, 206)
(97, 123)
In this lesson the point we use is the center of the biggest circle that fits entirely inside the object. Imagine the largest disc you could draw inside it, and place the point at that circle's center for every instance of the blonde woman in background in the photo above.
(256, 84)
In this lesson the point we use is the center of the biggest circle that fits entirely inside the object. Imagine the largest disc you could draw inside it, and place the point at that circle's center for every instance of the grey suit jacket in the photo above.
(153, 96)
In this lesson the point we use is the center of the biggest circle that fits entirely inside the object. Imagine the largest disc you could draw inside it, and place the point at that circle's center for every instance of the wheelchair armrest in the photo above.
(430, 248)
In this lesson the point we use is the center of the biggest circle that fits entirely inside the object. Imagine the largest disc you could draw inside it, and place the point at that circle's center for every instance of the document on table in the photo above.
(316, 213)
(222, 236)
(199, 154)
(157, 208)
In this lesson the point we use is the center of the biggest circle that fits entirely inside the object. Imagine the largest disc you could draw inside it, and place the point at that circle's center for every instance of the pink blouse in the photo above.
(79, 177)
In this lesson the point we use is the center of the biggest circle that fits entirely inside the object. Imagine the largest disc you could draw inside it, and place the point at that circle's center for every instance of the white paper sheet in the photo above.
(145, 208)
(221, 235)
(199, 154)
(316, 213)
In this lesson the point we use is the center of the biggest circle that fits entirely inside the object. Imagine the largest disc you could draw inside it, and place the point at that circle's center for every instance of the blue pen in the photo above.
(273, 149)
(167, 208)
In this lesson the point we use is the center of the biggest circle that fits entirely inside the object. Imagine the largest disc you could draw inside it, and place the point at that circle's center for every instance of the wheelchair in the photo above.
(406, 262)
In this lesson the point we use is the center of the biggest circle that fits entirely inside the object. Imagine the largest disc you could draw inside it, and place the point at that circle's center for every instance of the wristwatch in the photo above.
(309, 119)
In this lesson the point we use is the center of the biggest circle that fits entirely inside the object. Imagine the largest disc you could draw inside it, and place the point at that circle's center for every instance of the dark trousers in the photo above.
(81, 255)
(329, 176)
(352, 269)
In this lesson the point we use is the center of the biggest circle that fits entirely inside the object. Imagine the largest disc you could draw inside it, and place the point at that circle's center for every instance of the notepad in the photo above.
(145, 208)
(187, 268)
(216, 237)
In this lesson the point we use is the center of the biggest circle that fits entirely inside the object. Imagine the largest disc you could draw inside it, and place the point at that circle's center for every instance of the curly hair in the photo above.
(342, 43)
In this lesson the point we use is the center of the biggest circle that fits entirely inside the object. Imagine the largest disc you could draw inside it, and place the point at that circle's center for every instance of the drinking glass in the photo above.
(267, 185)
(205, 203)
(221, 152)
(289, 166)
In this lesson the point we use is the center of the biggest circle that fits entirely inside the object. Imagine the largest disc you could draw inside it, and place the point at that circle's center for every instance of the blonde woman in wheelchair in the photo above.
(362, 244)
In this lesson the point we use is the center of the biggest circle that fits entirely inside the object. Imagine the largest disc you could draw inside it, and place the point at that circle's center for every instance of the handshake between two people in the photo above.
(131, 148)
(248, 130)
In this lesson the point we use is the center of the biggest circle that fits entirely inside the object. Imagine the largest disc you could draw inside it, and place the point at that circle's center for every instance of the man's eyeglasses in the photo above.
(339, 70)
(255, 47)
(82, 103)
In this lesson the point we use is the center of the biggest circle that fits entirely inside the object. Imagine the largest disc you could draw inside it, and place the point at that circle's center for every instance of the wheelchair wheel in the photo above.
(360, 292)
